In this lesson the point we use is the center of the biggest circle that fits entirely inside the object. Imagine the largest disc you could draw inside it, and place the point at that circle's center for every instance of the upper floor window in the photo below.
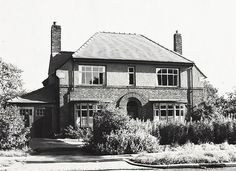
(131, 72)
(167, 76)
(92, 75)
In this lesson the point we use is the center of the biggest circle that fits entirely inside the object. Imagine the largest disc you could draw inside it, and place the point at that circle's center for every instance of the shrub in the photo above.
(108, 120)
(200, 132)
(124, 141)
(77, 133)
(13, 134)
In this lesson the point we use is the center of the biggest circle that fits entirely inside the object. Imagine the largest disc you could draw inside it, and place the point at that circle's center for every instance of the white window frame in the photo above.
(129, 75)
(100, 69)
(96, 107)
(157, 110)
(31, 117)
(167, 74)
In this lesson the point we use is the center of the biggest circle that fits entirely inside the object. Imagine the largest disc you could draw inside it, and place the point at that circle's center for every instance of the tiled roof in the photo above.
(42, 95)
(121, 46)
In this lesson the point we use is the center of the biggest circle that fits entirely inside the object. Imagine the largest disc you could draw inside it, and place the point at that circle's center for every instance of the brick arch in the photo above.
(124, 99)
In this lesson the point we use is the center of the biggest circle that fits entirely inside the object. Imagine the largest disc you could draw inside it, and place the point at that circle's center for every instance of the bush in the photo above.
(77, 133)
(108, 120)
(124, 141)
(13, 134)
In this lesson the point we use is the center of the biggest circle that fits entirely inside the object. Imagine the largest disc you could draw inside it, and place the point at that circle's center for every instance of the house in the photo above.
(129, 71)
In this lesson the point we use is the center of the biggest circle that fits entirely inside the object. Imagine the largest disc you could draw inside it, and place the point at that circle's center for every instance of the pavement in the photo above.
(66, 154)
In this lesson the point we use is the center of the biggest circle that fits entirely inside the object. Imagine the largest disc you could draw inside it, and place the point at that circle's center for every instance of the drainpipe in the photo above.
(190, 91)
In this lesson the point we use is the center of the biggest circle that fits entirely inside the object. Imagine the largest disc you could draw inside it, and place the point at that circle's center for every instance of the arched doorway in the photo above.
(134, 108)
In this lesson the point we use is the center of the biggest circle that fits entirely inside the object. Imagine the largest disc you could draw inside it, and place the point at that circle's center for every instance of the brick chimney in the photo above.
(55, 39)
(178, 42)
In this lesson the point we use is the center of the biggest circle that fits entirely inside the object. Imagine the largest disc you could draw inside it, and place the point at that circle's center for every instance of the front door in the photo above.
(133, 108)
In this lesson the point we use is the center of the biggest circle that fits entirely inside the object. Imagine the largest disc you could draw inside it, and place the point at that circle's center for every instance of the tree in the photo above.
(208, 108)
(10, 82)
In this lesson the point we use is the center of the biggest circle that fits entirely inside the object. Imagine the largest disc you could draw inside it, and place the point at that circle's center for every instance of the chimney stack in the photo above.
(55, 39)
(178, 42)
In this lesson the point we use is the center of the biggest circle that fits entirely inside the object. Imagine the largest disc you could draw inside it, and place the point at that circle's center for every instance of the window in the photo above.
(91, 75)
(84, 113)
(167, 76)
(169, 111)
(131, 72)
(27, 114)
(40, 112)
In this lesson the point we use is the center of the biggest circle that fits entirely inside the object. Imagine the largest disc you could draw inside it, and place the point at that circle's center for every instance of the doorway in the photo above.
(134, 108)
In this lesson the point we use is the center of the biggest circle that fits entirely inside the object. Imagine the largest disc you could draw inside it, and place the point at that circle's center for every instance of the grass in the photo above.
(15, 153)
(189, 153)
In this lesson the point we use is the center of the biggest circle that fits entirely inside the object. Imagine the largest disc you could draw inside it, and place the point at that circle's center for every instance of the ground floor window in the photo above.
(40, 112)
(28, 114)
(169, 112)
(84, 113)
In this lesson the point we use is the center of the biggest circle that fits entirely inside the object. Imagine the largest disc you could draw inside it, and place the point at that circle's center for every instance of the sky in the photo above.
(208, 29)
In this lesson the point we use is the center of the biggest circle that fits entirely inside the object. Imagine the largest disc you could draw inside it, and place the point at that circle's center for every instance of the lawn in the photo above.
(189, 153)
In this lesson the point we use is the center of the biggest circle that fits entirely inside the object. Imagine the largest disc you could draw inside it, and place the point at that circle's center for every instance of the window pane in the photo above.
(163, 112)
(88, 68)
(164, 70)
(170, 71)
(91, 113)
(157, 113)
(163, 106)
(175, 80)
(83, 78)
(175, 71)
(159, 80)
(170, 112)
(170, 80)
(83, 68)
(100, 78)
(131, 78)
(84, 106)
(84, 113)
(131, 69)
(95, 77)
(164, 80)
(170, 106)
(182, 113)
(88, 78)
(177, 112)
(95, 68)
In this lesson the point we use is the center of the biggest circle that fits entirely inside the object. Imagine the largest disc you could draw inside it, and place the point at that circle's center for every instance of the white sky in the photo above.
(208, 28)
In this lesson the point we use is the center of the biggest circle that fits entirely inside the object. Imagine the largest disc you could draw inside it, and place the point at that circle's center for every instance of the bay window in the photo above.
(91, 75)
(84, 112)
(167, 77)
(168, 112)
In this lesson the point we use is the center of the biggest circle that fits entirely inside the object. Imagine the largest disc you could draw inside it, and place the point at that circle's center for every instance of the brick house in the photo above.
(129, 71)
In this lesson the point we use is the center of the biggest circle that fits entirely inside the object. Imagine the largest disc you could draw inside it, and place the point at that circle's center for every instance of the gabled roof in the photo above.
(58, 60)
(42, 95)
(121, 46)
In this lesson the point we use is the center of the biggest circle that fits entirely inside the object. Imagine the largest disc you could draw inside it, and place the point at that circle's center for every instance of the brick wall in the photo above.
(115, 95)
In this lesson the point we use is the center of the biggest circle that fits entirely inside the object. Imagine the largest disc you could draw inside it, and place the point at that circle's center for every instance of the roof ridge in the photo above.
(124, 33)
(166, 48)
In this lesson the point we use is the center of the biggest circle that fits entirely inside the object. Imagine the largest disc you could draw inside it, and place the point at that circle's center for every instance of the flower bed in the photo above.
(189, 153)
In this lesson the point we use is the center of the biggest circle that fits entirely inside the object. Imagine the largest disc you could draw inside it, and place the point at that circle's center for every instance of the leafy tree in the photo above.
(10, 81)
(208, 108)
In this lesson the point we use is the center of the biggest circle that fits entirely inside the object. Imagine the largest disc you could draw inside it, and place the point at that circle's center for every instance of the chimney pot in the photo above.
(178, 42)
